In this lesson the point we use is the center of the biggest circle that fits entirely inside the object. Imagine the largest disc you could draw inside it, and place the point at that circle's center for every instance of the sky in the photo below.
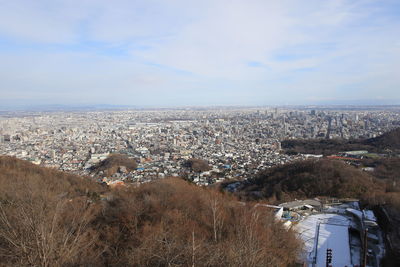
(199, 52)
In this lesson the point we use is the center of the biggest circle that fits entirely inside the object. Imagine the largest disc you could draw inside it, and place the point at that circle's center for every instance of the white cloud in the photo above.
(314, 47)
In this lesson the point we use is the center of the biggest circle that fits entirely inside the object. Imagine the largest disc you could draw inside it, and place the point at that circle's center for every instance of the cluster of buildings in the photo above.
(236, 142)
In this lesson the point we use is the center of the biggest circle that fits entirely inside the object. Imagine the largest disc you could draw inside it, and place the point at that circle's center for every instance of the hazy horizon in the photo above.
(199, 53)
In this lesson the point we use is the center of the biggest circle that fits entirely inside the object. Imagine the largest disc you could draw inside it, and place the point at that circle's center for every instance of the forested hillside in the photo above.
(112, 163)
(387, 142)
(50, 218)
(378, 189)
(311, 178)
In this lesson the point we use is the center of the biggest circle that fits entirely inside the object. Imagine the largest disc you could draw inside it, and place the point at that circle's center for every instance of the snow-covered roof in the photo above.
(335, 237)
(333, 232)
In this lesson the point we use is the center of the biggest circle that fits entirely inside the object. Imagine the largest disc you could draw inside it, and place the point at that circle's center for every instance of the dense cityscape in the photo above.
(235, 142)
(200, 133)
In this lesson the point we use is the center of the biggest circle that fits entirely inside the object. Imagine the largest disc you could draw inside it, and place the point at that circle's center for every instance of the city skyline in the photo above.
(199, 53)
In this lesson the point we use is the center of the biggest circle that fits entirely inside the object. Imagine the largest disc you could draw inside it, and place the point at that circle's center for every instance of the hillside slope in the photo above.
(50, 218)
(387, 141)
(112, 164)
(311, 178)
(378, 189)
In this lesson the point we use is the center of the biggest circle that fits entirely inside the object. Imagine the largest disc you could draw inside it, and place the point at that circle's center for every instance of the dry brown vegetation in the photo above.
(312, 178)
(384, 199)
(379, 190)
(389, 141)
(111, 164)
(176, 223)
(386, 169)
(45, 216)
(387, 204)
(197, 165)
(49, 218)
